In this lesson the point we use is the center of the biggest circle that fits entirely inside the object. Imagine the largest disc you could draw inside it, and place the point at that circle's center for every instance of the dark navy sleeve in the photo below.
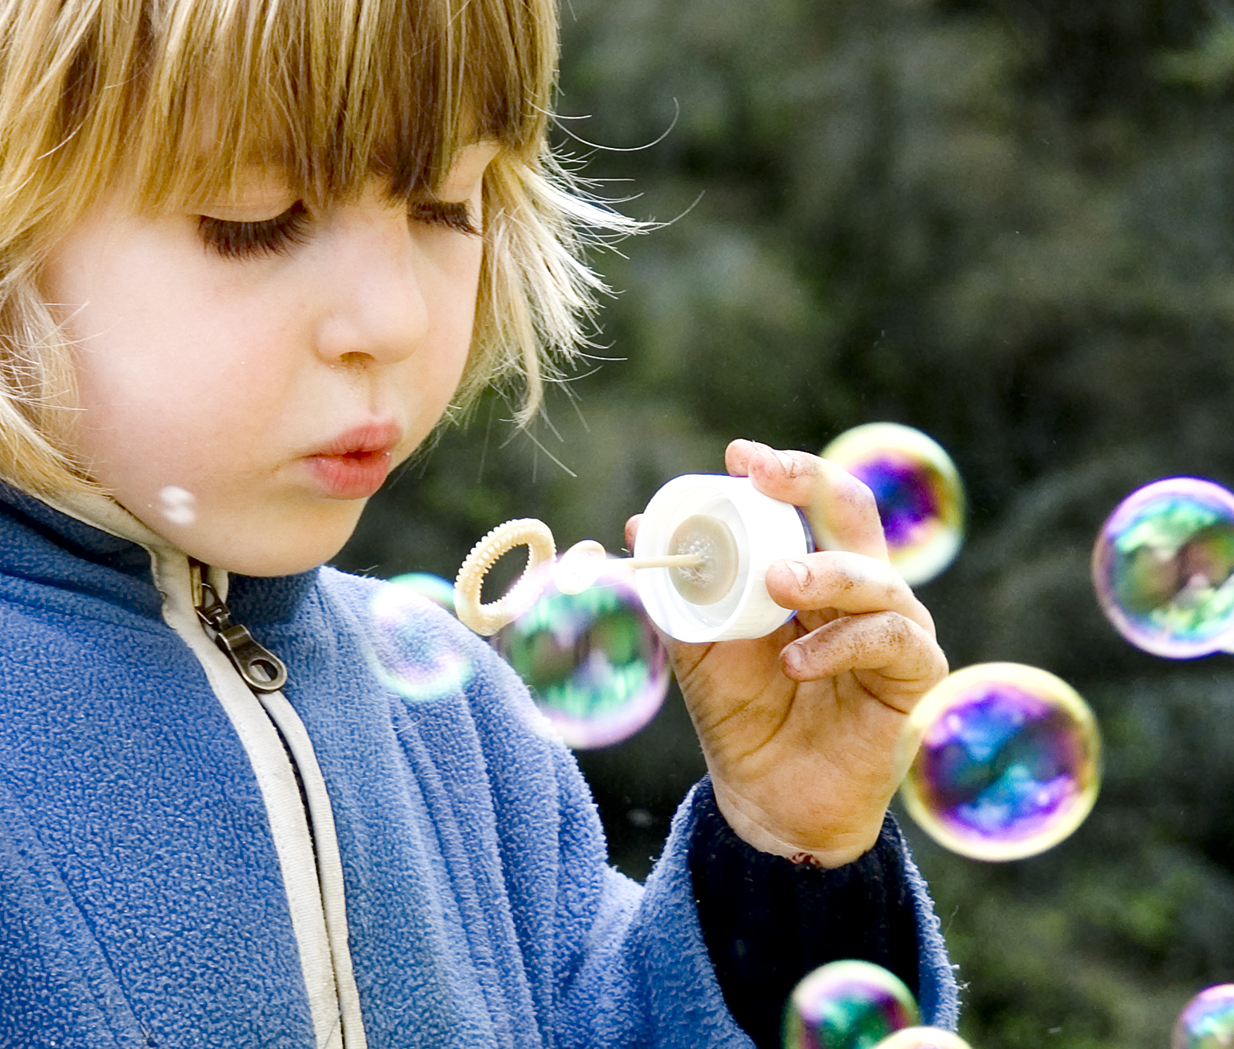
(768, 921)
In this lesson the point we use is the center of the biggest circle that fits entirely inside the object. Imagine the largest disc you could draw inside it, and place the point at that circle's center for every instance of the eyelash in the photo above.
(453, 216)
(246, 240)
(280, 234)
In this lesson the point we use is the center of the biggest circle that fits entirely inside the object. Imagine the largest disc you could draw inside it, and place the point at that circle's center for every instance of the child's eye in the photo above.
(233, 239)
(451, 215)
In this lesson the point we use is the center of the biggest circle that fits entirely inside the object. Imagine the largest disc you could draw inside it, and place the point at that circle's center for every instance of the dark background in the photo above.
(1008, 224)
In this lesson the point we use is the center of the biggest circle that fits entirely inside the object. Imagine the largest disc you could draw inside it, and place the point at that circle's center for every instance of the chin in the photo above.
(262, 559)
(281, 562)
(267, 544)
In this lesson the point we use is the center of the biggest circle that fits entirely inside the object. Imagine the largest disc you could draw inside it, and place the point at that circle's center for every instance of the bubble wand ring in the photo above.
(488, 618)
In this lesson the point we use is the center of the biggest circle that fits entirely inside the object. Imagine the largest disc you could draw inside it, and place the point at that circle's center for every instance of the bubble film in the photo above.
(924, 1038)
(918, 491)
(1207, 1021)
(592, 661)
(1162, 568)
(405, 651)
(1008, 764)
(847, 1005)
(439, 591)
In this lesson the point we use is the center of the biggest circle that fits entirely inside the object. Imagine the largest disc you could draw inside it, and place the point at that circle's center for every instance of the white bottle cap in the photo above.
(764, 530)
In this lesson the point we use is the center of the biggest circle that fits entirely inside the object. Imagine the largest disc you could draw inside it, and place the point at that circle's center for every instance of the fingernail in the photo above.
(792, 658)
(800, 570)
(786, 461)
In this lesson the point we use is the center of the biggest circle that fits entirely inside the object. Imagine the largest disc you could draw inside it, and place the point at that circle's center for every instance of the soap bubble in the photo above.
(405, 652)
(438, 590)
(1207, 1021)
(917, 488)
(1163, 564)
(1008, 764)
(592, 661)
(923, 1038)
(847, 1005)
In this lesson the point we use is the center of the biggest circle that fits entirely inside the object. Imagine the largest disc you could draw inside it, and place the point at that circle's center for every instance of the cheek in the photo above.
(456, 292)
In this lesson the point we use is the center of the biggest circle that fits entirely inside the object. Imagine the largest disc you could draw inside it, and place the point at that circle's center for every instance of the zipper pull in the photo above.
(261, 669)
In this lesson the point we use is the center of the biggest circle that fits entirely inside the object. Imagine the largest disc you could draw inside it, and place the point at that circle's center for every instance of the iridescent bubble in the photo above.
(592, 660)
(1163, 567)
(406, 652)
(924, 1038)
(439, 591)
(1008, 764)
(1207, 1021)
(917, 488)
(847, 1005)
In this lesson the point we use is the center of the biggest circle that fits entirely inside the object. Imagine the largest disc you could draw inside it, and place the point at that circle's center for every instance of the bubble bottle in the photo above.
(732, 533)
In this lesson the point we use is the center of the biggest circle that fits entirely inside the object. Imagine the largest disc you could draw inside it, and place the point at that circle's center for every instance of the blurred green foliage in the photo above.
(1009, 223)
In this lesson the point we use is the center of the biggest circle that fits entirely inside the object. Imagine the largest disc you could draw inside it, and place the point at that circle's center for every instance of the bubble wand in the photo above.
(700, 561)
(576, 571)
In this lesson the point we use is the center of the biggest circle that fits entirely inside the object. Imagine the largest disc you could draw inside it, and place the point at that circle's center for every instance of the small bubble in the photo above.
(1008, 764)
(1207, 1021)
(592, 660)
(408, 654)
(1163, 567)
(918, 491)
(847, 1005)
(923, 1038)
(179, 505)
(580, 566)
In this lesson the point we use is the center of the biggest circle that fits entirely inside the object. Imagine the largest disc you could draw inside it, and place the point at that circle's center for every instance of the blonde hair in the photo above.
(174, 95)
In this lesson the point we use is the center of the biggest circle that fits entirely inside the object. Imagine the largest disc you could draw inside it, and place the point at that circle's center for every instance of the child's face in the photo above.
(271, 361)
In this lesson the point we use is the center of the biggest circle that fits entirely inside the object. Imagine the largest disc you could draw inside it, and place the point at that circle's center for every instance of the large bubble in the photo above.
(918, 491)
(404, 652)
(923, 1038)
(1008, 764)
(592, 660)
(847, 1005)
(1207, 1021)
(1163, 564)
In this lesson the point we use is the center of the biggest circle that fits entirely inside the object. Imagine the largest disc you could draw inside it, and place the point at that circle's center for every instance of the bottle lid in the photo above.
(737, 532)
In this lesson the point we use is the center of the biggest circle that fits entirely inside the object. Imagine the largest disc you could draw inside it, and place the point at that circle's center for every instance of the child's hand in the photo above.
(799, 728)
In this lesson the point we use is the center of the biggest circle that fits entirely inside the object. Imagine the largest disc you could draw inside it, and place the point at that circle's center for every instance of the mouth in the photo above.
(356, 463)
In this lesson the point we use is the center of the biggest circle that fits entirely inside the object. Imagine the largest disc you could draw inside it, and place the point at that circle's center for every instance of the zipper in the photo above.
(260, 668)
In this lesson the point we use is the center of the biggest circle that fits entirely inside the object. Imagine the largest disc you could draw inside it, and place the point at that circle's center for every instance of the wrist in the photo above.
(820, 846)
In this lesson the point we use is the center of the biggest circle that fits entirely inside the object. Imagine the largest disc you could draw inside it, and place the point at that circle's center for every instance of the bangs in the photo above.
(181, 95)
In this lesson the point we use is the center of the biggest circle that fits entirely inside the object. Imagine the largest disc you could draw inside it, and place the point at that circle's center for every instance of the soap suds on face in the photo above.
(179, 505)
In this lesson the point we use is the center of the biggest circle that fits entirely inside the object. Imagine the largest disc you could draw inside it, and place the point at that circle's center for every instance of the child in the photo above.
(252, 252)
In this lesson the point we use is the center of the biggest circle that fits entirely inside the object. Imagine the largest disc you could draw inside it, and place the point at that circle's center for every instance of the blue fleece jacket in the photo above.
(143, 900)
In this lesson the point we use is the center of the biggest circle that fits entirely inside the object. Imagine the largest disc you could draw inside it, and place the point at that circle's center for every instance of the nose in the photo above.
(372, 307)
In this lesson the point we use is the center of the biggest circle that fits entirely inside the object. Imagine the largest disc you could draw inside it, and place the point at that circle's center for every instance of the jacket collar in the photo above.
(91, 544)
